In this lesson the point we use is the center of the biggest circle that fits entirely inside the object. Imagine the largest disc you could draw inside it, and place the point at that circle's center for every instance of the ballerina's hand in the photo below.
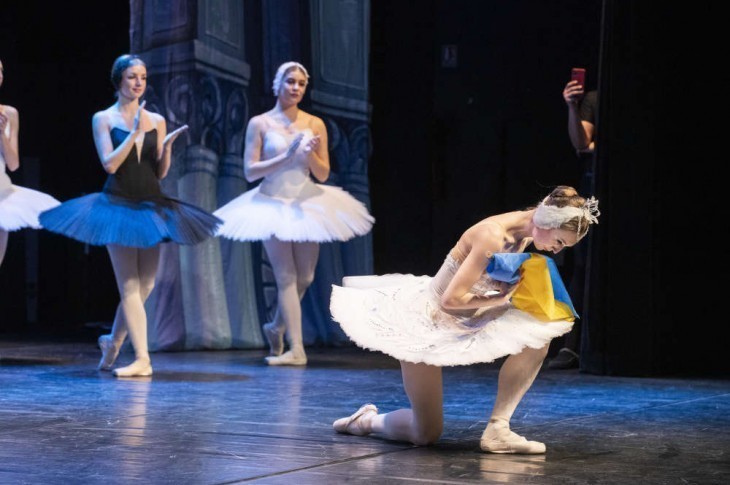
(294, 145)
(312, 144)
(170, 138)
(509, 290)
(138, 117)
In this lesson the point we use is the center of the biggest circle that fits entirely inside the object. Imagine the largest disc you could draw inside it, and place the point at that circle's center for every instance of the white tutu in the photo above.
(400, 315)
(288, 205)
(326, 213)
(19, 207)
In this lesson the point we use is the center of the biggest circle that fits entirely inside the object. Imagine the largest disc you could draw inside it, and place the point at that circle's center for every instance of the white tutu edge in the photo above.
(21, 206)
(337, 310)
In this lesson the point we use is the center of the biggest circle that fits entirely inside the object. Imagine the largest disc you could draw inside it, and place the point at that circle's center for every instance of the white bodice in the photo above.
(291, 179)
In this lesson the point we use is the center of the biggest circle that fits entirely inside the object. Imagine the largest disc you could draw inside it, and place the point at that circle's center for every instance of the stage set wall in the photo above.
(433, 143)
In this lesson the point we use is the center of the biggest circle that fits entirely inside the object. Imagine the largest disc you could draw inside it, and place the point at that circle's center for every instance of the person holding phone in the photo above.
(582, 114)
(288, 211)
(19, 206)
(461, 316)
(582, 107)
(131, 216)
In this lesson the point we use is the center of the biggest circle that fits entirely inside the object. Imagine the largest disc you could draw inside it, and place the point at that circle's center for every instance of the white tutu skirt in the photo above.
(319, 213)
(20, 206)
(400, 315)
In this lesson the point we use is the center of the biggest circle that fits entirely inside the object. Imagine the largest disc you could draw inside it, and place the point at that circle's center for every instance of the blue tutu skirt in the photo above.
(101, 219)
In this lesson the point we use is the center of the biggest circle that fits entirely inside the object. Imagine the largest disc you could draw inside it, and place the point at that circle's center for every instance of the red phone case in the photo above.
(578, 74)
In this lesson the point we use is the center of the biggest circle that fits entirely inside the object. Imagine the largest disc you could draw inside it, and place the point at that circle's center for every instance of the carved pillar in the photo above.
(194, 53)
(339, 70)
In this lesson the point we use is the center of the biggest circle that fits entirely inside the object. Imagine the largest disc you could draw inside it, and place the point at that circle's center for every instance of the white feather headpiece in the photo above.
(553, 217)
(279, 77)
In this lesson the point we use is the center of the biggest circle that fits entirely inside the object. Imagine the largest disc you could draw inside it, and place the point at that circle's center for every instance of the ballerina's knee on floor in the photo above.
(423, 423)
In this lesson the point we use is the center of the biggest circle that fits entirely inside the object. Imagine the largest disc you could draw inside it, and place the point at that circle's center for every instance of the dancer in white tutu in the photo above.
(19, 206)
(131, 216)
(287, 211)
(465, 315)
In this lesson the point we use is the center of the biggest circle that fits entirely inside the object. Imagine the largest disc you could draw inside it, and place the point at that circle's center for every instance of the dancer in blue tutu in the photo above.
(131, 215)
(19, 206)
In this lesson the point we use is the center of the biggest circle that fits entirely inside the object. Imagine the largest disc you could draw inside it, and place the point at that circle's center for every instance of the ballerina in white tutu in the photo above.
(467, 314)
(19, 206)
(288, 211)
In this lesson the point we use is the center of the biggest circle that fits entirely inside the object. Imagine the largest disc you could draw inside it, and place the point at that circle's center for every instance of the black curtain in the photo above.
(654, 308)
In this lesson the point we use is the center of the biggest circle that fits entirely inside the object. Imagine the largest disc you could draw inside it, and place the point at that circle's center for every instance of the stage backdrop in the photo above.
(210, 66)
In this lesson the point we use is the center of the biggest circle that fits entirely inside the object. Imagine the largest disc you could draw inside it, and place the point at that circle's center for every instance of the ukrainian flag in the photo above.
(541, 292)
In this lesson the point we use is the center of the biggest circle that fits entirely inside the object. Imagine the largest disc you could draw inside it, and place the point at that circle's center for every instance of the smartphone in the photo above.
(578, 74)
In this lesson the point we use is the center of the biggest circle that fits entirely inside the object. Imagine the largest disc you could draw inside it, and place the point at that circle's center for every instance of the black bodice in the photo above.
(135, 179)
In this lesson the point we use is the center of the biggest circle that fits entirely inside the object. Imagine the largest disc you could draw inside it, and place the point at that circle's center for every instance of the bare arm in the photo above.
(112, 158)
(579, 131)
(318, 152)
(254, 168)
(164, 145)
(9, 138)
(458, 295)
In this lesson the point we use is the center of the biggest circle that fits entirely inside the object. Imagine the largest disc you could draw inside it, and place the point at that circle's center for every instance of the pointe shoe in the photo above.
(274, 338)
(109, 352)
(498, 438)
(353, 424)
(287, 358)
(138, 368)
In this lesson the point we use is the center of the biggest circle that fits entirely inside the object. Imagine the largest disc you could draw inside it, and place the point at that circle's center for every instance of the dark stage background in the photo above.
(450, 145)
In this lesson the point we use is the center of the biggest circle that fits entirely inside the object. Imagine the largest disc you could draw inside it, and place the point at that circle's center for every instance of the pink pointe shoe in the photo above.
(353, 424)
(498, 438)
(109, 352)
(275, 338)
(138, 368)
(290, 357)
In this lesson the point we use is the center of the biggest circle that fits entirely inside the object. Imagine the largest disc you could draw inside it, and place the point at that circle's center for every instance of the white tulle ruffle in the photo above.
(321, 213)
(400, 316)
(20, 206)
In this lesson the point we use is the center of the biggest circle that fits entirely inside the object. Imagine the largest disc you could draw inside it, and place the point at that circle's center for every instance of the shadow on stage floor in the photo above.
(218, 417)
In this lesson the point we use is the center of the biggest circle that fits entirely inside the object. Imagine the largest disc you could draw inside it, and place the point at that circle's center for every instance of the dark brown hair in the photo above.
(121, 64)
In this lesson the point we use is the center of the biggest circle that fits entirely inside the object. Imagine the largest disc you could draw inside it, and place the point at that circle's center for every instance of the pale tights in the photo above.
(423, 423)
(3, 244)
(135, 270)
(293, 265)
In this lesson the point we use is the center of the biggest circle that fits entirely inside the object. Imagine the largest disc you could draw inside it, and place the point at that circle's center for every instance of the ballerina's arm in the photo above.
(254, 168)
(318, 151)
(112, 158)
(9, 138)
(458, 295)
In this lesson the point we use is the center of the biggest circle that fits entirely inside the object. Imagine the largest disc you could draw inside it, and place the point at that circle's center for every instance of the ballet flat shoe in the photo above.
(287, 358)
(496, 439)
(135, 369)
(353, 424)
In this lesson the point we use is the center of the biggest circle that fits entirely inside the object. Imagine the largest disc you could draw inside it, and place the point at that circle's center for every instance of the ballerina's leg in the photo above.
(515, 377)
(281, 257)
(3, 244)
(135, 271)
(422, 424)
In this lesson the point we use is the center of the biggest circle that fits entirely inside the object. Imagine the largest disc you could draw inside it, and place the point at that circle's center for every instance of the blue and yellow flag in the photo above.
(541, 292)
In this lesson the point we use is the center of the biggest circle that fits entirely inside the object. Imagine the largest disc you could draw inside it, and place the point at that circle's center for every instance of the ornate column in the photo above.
(194, 51)
(339, 70)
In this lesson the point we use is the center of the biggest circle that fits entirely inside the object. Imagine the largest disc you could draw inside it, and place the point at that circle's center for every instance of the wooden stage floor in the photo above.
(218, 417)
